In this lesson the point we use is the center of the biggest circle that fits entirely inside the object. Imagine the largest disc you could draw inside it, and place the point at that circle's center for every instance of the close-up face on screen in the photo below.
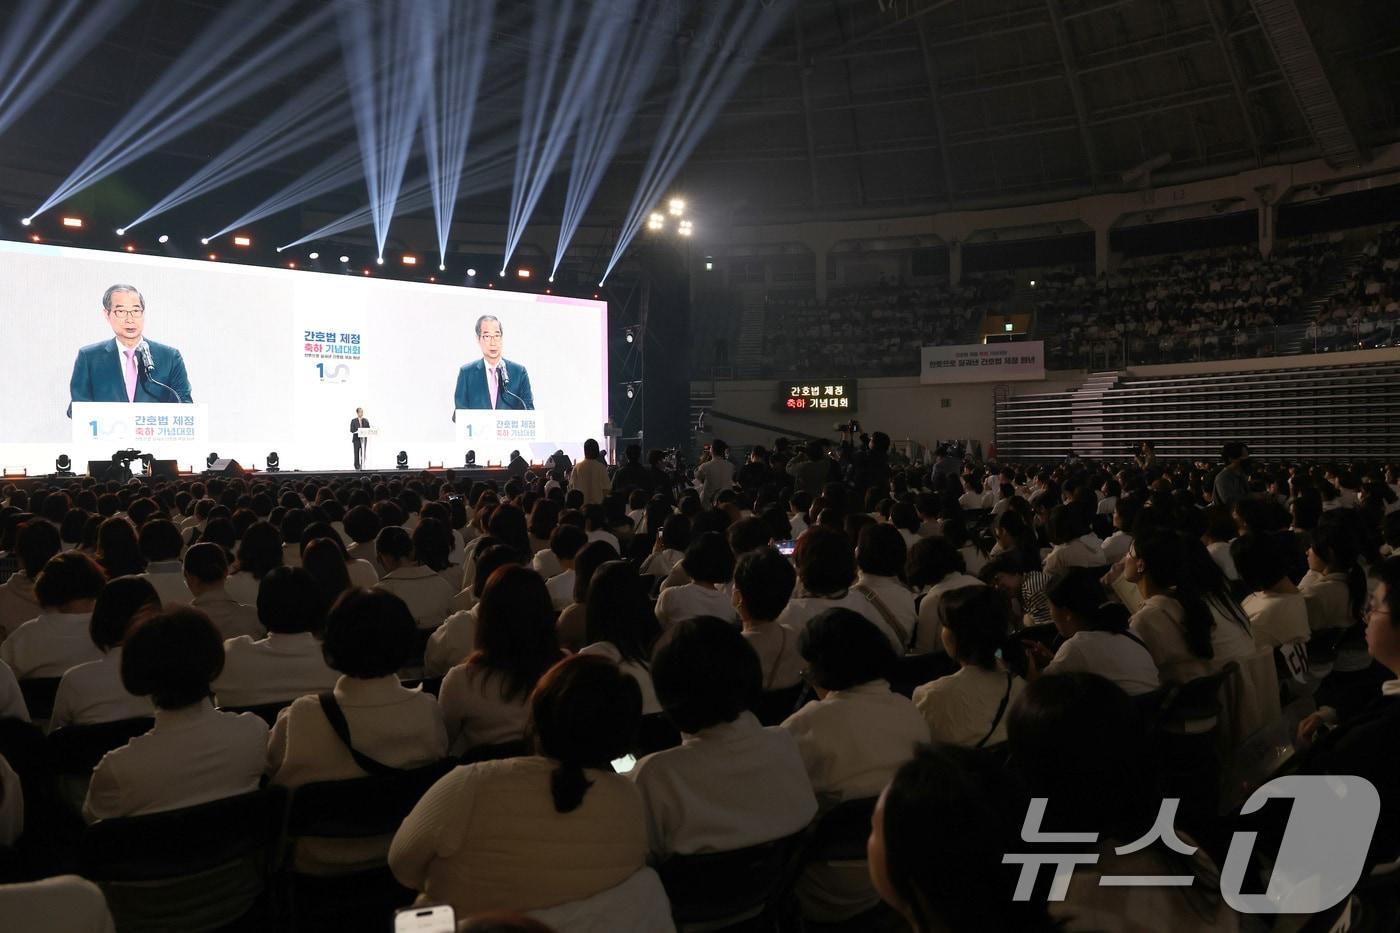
(179, 358)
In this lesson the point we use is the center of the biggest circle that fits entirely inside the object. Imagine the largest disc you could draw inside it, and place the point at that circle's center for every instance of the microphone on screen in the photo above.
(144, 349)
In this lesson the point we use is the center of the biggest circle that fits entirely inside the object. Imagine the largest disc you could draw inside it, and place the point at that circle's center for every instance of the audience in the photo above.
(93, 691)
(206, 577)
(289, 662)
(58, 638)
(428, 595)
(1096, 635)
(36, 542)
(763, 583)
(826, 572)
(710, 565)
(934, 566)
(1277, 611)
(621, 626)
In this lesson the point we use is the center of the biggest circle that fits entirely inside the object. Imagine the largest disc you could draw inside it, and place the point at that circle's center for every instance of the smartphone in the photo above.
(624, 764)
(440, 918)
(786, 548)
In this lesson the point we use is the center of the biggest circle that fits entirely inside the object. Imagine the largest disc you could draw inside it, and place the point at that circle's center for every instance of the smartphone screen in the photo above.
(624, 764)
(786, 548)
(438, 919)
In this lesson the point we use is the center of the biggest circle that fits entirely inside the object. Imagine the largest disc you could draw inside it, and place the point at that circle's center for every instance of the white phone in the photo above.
(624, 764)
(440, 918)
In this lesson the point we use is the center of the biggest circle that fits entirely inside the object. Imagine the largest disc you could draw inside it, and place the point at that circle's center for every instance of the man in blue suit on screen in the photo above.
(129, 368)
(492, 382)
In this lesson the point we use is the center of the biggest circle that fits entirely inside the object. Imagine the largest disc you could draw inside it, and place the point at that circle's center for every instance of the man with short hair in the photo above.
(206, 571)
(590, 476)
(492, 381)
(357, 442)
(1231, 484)
(129, 368)
(715, 475)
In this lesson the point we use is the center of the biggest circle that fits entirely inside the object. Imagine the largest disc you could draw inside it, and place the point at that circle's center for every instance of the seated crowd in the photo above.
(606, 680)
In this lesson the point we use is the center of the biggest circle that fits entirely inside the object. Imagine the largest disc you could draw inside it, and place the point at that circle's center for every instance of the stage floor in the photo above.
(499, 474)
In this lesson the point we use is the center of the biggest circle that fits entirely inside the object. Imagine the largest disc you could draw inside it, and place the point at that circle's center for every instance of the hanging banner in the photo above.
(983, 362)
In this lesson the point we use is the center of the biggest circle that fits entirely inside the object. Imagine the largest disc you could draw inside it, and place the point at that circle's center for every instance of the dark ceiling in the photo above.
(857, 106)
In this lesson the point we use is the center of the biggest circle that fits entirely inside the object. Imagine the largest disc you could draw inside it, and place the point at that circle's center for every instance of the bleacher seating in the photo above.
(1312, 412)
(1365, 311)
(875, 331)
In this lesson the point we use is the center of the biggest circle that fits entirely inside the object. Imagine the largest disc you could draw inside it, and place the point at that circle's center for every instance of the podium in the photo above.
(364, 434)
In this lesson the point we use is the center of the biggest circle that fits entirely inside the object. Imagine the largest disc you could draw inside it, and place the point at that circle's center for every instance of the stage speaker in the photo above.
(105, 471)
(165, 469)
(225, 467)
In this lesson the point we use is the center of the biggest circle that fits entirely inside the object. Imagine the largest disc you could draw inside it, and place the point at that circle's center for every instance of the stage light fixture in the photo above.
(25, 221)
(292, 264)
(344, 258)
(551, 276)
(709, 264)
(1032, 283)
(432, 278)
(204, 241)
(630, 335)
(121, 231)
(313, 256)
(631, 391)
(35, 238)
(442, 267)
(163, 239)
(274, 463)
(471, 273)
(656, 222)
(130, 248)
(74, 222)
(279, 248)
(522, 273)
(213, 257)
(401, 461)
(209, 460)
(501, 274)
(246, 241)
(471, 458)
(684, 228)
(410, 260)
(63, 466)
(677, 207)
(1008, 327)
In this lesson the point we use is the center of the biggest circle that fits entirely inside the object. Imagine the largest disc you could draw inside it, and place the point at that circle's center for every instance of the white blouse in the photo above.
(778, 657)
(429, 596)
(1120, 658)
(49, 645)
(637, 671)
(451, 642)
(279, 667)
(1159, 624)
(93, 693)
(692, 601)
(1277, 618)
(961, 708)
(476, 710)
(928, 637)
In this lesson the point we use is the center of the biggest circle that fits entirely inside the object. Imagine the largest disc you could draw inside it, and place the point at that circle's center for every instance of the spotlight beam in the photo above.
(733, 35)
(134, 135)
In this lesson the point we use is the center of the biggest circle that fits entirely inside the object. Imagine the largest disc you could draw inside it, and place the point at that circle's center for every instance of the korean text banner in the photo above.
(244, 360)
(991, 362)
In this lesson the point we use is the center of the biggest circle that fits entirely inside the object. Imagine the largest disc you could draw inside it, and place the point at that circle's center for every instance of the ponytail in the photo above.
(1197, 621)
(568, 784)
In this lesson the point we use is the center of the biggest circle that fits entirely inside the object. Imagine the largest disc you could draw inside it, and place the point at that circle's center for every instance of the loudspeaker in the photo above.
(165, 469)
(226, 467)
(105, 471)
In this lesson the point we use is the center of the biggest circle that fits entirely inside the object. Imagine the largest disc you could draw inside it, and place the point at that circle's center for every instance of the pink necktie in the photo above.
(130, 375)
(493, 382)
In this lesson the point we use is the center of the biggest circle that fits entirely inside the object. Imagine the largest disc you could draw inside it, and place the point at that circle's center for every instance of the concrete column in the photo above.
(1268, 218)
(1101, 249)
(954, 262)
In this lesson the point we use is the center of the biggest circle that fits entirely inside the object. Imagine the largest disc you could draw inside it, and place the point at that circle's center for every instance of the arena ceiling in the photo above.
(863, 107)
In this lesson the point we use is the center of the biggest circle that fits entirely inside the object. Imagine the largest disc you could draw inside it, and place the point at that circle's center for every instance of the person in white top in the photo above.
(763, 583)
(621, 627)
(206, 573)
(595, 519)
(969, 708)
(710, 565)
(826, 570)
(669, 549)
(195, 754)
(368, 718)
(1108, 496)
(1096, 636)
(731, 783)
(485, 699)
(93, 692)
(1334, 586)
(429, 596)
(935, 563)
(287, 663)
(455, 638)
(161, 545)
(12, 705)
(432, 548)
(1125, 513)
(57, 639)
(564, 543)
(64, 902)
(359, 572)
(1074, 545)
(259, 552)
(590, 475)
(852, 740)
(35, 542)
(716, 474)
(880, 558)
(974, 497)
(361, 526)
(1278, 613)
(1188, 620)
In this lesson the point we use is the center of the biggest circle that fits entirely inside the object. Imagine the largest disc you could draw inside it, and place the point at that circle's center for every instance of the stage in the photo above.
(475, 474)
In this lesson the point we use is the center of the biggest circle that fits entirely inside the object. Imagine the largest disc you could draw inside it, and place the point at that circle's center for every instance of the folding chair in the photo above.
(752, 886)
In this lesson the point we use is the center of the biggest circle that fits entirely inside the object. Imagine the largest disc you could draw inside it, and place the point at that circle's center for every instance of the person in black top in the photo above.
(357, 422)
(632, 475)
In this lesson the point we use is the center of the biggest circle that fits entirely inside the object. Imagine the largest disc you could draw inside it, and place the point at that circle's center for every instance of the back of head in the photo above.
(206, 562)
(36, 542)
(326, 564)
(589, 558)
(488, 561)
(1079, 591)
(764, 580)
(979, 618)
(432, 544)
(583, 713)
(515, 633)
(709, 560)
(121, 603)
(1263, 557)
(932, 559)
(172, 658)
(618, 611)
(752, 532)
(394, 542)
(881, 551)
(566, 541)
(368, 634)
(160, 540)
(590, 449)
(68, 577)
(705, 674)
(675, 534)
(844, 649)
(290, 601)
(825, 561)
(260, 550)
(957, 794)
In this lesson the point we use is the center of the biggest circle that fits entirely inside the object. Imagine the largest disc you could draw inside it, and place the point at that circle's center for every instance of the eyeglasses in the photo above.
(494, 337)
(130, 315)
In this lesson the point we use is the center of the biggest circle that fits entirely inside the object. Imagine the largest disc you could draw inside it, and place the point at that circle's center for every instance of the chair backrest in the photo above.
(1195, 706)
(361, 807)
(715, 886)
(175, 843)
(38, 695)
(78, 749)
(267, 712)
(841, 832)
(776, 705)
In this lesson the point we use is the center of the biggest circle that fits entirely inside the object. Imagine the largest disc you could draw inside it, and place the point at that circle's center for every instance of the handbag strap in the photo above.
(884, 611)
(336, 717)
(1001, 711)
